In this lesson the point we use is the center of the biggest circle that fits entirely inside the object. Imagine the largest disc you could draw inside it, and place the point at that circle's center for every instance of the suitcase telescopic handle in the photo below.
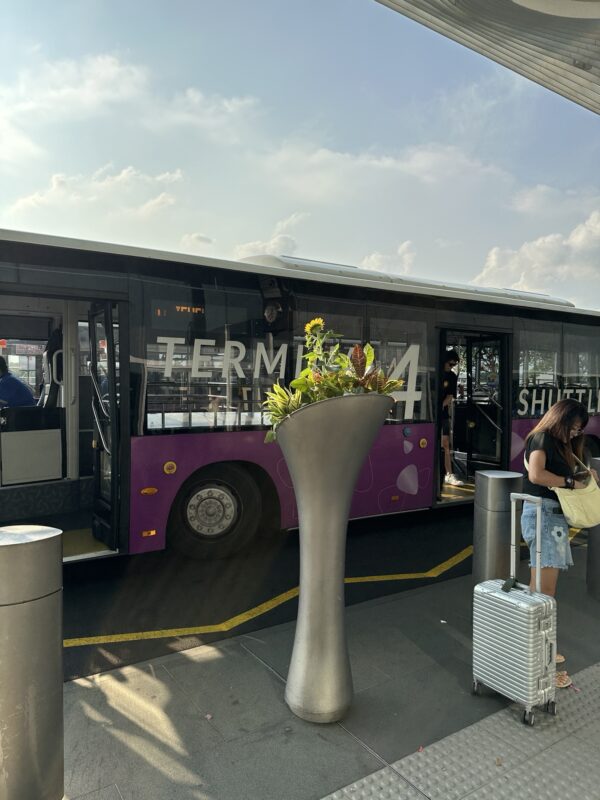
(537, 501)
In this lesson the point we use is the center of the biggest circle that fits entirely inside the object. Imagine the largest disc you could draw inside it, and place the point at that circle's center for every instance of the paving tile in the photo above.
(590, 733)
(507, 725)
(383, 785)
(395, 718)
(107, 793)
(290, 761)
(458, 764)
(120, 722)
(367, 657)
(569, 770)
(235, 689)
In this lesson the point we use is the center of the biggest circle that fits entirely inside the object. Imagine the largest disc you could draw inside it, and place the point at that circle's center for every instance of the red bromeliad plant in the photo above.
(329, 373)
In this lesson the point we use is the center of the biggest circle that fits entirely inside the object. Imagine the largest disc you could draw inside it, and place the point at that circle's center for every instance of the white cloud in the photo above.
(15, 145)
(195, 242)
(153, 206)
(113, 205)
(68, 89)
(399, 263)
(544, 200)
(290, 222)
(222, 119)
(567, 266)
(320, 174)
(280, 242)
(483, 108)
(125, 191)
(55, 92)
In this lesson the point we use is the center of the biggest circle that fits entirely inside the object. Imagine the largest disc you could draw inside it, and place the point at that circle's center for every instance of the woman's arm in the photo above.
(539, 475)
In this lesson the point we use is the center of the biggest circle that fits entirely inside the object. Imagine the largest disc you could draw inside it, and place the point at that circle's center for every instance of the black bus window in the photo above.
(401, 348)
(538, 352)
(581, 357)
(537, 367)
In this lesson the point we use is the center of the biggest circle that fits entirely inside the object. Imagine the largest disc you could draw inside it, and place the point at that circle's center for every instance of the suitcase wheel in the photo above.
(529, 718)
(551, 708)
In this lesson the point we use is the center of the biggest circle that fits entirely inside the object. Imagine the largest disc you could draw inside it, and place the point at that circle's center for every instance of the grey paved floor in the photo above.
(211, 723)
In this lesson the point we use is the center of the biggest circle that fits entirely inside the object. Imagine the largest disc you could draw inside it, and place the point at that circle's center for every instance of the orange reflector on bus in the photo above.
(395, 497)
(148, 533)
(149, 490)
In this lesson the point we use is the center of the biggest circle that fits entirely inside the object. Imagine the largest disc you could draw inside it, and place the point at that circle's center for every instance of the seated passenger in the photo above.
(13, 391)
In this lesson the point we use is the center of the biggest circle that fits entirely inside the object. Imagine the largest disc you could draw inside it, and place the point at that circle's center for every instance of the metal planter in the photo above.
(325, 445)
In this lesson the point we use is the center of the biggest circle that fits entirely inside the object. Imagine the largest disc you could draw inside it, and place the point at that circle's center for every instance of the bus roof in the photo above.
(320, 271)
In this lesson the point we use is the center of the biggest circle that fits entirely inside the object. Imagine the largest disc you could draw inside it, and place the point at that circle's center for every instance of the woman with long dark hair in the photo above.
(550, 451)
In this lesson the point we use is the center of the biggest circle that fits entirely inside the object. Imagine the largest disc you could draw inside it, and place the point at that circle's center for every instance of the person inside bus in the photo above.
(13, 391)
(550, 450)
(449, 391)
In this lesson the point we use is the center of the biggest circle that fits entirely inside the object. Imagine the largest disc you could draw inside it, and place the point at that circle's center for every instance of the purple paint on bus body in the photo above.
(520, 429)
(397, 476)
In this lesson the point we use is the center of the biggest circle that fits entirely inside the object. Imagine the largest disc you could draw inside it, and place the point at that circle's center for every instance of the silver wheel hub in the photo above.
(212, 510)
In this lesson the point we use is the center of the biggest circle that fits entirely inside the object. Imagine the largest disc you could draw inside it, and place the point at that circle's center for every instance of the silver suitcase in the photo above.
(514, 633)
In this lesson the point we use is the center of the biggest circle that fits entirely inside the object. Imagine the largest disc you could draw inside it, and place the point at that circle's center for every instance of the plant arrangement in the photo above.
(329, 373)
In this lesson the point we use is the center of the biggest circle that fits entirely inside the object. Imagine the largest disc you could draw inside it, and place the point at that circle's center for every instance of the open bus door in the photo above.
(104, 369)
(485, 432)
(480, 416)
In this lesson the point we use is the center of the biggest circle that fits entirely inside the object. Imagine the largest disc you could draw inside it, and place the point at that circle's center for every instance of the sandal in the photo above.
(558, 659)
(562, 680)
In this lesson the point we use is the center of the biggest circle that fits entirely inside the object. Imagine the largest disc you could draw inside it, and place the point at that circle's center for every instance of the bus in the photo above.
(150, 369)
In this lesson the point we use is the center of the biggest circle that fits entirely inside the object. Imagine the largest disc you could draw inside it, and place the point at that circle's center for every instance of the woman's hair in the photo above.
(558, 421)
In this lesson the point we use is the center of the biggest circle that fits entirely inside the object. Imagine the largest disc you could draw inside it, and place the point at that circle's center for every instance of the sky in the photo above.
(335, 130)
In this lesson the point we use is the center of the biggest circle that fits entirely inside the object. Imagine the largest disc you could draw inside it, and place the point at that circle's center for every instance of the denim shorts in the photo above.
(556, 548)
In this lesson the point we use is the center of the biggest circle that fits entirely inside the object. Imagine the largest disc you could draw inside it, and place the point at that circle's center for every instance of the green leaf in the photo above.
(369, 354)
(301, 384)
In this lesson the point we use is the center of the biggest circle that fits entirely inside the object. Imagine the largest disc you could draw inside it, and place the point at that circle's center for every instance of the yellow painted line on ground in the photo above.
(263, 608)
(435, 572)
(221, 627)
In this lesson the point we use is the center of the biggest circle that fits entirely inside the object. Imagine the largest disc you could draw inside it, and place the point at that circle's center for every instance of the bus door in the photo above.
(485, 401)
(104, 373)
(479, 430)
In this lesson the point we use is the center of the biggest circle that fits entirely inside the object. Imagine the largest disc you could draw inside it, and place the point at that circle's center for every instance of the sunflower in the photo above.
(318, 322)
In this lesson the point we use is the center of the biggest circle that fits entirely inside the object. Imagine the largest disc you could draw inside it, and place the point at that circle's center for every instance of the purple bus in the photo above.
(150, 369)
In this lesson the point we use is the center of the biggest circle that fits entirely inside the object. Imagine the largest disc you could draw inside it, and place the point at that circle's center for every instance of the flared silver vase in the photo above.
(325, 445)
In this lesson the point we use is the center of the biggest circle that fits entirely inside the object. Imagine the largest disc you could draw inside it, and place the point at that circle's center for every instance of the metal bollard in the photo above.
(592, 577)
(491, 523)
(31, 673)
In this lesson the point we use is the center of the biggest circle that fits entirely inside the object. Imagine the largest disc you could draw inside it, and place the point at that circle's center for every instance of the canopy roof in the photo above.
(555, 43)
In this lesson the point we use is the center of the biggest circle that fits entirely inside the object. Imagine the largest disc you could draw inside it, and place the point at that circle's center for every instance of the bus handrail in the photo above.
(489, 419)
(99, 427)
(98, 392)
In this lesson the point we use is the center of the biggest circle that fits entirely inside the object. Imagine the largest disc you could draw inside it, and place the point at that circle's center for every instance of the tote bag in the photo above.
(581, 507)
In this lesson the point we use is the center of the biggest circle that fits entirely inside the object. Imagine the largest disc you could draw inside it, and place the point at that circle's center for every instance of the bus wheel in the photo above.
(216, 512)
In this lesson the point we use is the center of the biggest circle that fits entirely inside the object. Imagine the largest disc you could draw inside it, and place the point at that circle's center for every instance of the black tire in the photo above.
(529, 718)
(215, 514)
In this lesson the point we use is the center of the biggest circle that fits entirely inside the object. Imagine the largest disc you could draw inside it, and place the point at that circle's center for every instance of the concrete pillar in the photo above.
(31, 672)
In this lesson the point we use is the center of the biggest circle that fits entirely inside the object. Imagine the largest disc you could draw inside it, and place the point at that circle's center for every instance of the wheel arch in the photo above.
(271, 502)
